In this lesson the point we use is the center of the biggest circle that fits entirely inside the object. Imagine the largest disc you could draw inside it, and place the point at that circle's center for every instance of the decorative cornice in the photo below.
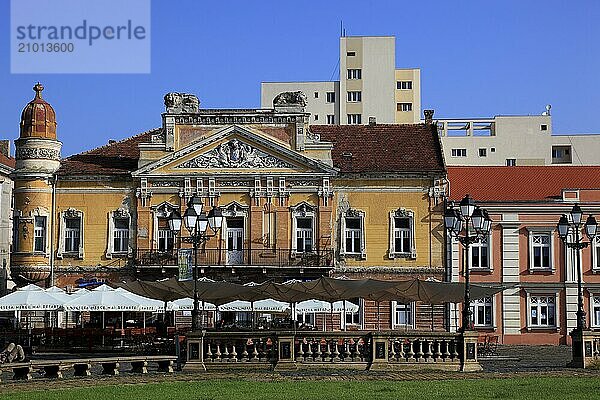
(36, 153)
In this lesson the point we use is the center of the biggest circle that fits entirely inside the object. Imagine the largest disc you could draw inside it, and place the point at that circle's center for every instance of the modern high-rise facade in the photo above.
(369, 86)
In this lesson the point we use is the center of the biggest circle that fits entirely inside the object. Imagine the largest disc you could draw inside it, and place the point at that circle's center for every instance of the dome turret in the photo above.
(38, 118)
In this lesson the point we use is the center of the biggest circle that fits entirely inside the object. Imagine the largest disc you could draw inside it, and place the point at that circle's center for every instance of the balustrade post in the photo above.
(469, 351)
(287, 357)
(379, 351)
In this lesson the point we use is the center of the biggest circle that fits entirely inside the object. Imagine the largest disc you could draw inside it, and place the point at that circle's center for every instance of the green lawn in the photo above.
(546, 388)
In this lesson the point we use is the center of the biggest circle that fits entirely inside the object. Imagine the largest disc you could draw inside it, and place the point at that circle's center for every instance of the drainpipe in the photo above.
(52, 217)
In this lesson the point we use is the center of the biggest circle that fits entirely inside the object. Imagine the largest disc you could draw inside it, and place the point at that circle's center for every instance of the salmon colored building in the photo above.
(524, 251)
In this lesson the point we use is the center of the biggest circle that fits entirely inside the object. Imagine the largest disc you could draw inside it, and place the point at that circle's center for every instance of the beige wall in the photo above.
(412, 96)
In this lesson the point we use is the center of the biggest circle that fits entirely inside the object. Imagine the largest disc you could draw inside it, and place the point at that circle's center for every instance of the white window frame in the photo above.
(478, 246)
(395, 322)
(110, 246)
(459, 152)
(354, 96)
(404, 85)
(162, 210)
(360, 215)
(303, 210)
(402, 213)
(354, 119)
(595, 247)
(404, 107)
(70, 213)
(538, 231)
(354, 73)
(331, 119)
(594, 303)
(44, 233)
(485, 303)
(330, 97)
(546, 294)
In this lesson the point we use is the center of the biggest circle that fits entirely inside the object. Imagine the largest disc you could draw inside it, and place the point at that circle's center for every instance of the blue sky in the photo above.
(477, 59)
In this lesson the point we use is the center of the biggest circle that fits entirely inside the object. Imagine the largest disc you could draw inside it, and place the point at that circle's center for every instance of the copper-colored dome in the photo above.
(38, 118)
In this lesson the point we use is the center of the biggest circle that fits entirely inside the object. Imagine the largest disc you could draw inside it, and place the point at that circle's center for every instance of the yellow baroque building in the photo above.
(299, 201)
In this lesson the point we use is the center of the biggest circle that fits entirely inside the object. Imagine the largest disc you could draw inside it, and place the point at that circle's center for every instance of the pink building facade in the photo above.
(525, 252)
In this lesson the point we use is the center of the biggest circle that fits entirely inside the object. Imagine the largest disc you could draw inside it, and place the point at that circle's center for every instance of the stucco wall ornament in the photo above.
(290, 98)
(32, 152)
(181, 103)
(235, 154)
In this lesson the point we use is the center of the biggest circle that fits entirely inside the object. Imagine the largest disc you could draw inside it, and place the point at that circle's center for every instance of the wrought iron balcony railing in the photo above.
(249, 257)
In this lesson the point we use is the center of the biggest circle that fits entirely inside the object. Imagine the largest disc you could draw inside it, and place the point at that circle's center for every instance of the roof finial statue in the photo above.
(38, 90)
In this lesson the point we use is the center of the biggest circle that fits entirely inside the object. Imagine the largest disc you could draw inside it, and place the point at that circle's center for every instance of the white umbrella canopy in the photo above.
(80, 292)
(320, 306)
(30, 298)
(58, 293)
(187, 304)
(266, 305)
(103, 298)
(146, 304)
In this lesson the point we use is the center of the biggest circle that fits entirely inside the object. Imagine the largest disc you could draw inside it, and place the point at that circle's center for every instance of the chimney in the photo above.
(428, 117)
(5, 147)
(372, 121)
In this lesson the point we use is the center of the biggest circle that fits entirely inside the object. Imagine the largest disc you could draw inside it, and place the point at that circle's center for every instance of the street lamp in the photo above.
(196, 222)
(468, 224)
(564, 227)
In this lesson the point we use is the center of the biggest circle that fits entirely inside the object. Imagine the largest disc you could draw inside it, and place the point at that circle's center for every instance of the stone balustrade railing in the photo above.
(353, 349)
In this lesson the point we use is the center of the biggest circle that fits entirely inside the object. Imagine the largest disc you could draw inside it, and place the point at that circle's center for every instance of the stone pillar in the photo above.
(282, 230)
(256, 239)
(379, 351)
(469, 352)
(144, 225)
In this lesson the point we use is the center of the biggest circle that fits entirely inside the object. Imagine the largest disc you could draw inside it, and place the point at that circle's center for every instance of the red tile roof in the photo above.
(540, 183)
(383, 148)
(8, 161)
(118, 158)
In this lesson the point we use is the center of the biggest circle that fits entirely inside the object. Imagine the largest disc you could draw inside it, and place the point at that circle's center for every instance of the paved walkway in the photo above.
(512, 358)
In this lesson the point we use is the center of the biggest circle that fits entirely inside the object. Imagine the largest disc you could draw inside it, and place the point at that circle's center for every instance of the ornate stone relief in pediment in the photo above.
(235, 154)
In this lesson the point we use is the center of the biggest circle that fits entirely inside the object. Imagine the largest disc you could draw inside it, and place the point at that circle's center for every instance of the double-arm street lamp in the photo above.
(196, 222)
(574, 227)
(468, 224)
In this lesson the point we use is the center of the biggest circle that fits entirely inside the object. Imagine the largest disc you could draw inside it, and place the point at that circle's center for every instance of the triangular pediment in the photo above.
(235, 149)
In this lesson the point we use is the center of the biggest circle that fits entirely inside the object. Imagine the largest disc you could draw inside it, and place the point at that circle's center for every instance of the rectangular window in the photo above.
(121, 235)
(596, 253)
(479, 254)
(596, 311)
(331, 119)
(306, 320)
(352, 318)
(330, 97)
(481, 311)
(403, 314)
(482, 152)
(39, 234)
(459, 152)
(540, 250)
(402, 235)
(354, 96)
(354, 73)
(542, 311)
(511, 162)
(165, 240)
(543, 127)
(404, 107)
(304, 240)
(72, 234)
(316, 95)
(353, 235)
(404, 85)
(350, 53)
(354, 119)
(316, 117)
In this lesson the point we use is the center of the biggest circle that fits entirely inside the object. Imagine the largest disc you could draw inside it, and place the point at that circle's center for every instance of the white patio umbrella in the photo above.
(103, 298)
(30, 298)
(319, 306)
(266, 305)
(146, 304)
(187, 304)
(79, 292)
(61, 295)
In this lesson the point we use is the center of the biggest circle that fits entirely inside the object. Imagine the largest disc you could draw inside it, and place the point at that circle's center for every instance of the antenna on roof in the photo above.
(342, 30)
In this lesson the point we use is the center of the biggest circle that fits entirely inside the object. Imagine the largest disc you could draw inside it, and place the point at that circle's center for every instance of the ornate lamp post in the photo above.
(196, 222)
(564, 228)
(468, 224)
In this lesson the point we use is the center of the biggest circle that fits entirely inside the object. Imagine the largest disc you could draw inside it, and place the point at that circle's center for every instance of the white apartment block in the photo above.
(369, 86)
(514, 141)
